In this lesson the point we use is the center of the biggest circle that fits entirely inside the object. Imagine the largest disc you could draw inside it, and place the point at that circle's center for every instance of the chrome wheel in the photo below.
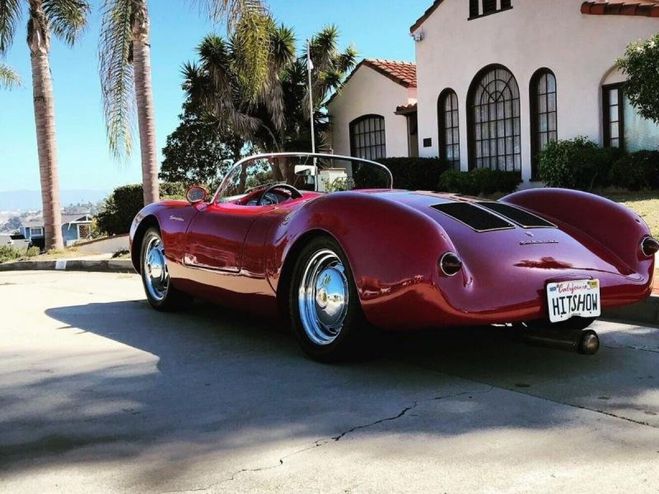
(323, 297)
(156, 275)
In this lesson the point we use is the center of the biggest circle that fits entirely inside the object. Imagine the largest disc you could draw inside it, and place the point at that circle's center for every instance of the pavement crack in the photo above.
(322, 442)
(387, 419)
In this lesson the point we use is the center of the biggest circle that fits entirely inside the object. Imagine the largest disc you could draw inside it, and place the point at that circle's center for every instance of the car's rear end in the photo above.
(509, 264)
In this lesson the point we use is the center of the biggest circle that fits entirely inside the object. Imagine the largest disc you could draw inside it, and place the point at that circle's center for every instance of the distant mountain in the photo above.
(26, 200)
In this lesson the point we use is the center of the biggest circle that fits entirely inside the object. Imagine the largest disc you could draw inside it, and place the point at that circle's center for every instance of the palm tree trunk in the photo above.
(44, 116)
(144, 99)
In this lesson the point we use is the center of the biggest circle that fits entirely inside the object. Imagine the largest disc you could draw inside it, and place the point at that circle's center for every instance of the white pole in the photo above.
(313, 132)
(309, 69)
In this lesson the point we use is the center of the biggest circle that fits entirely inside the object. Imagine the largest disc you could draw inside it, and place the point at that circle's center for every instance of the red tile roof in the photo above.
(404, 73)
(406, 109)
(647, 8)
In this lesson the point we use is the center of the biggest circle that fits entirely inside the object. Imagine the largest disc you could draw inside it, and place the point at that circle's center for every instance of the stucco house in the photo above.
(75, 227)
(362, 113)
(498, 79)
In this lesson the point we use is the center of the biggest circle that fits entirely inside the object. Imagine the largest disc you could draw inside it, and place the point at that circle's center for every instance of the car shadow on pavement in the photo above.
(187, 385)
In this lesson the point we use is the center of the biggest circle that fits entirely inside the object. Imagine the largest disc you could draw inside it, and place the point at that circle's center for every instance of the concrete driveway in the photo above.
(98, 393)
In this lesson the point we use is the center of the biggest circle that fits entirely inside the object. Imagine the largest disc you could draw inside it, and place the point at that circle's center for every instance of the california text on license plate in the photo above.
(573, 298)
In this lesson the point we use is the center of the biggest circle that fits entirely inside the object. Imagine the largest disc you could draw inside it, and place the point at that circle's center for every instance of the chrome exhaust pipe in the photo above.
(585, 342)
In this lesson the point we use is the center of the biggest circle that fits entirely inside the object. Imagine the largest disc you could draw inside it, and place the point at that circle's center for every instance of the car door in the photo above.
(216, 236)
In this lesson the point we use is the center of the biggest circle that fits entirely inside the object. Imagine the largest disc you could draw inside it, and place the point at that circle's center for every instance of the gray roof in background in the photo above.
(66, 218)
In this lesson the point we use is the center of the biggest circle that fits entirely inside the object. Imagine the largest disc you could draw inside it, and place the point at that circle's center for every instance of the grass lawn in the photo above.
(646, 204)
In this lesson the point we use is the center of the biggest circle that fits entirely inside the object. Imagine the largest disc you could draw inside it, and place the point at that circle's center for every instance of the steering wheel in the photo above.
(294, 194)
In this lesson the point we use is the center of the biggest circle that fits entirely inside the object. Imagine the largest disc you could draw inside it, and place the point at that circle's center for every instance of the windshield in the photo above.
(304, 171)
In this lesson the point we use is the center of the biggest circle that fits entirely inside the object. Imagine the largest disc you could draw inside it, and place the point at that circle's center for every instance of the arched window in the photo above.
(544, 121)
(493, 120)
(449, 127)
(367, 139)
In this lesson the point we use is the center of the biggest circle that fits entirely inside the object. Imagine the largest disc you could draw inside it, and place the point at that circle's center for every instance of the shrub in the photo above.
(415, 173)
(481, 181)
(13, 253)
(576, 164)
(9, 253)
(637, 171)
(125, 202)
(119, 209)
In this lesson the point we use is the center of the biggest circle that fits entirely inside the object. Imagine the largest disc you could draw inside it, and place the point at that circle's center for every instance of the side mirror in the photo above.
(196, 194)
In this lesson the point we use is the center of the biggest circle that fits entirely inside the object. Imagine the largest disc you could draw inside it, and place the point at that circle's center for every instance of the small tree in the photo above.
(200, 150)
(641, 65)
(279, 118)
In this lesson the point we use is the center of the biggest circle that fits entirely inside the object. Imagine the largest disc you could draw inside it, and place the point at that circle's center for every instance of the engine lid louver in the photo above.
(517, 215)
(474, 217)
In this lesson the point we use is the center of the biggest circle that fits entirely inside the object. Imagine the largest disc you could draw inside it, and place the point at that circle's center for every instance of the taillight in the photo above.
(450, 264)
(649, 246)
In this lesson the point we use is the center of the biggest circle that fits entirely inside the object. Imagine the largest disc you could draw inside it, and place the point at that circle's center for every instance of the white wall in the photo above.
(369, 92)
(579, 49)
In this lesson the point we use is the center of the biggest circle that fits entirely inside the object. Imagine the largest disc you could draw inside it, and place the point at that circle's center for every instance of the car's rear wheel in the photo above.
(324, 305)
(155, 275)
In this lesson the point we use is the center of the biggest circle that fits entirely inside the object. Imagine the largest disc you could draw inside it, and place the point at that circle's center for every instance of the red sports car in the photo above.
(326, 242)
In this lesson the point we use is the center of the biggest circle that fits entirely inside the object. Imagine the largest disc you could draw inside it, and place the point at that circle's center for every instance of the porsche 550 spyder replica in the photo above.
(327, 243)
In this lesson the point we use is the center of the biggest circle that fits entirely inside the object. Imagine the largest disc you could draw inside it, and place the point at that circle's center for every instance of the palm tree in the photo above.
(65, 19)
(8, 78)
(125, 71)
(279, 117)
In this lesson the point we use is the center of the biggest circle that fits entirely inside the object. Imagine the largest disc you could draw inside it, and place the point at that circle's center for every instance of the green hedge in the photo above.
(126, 201)
(415, 173)
(481, 181)
(577, 164)
(636, 171)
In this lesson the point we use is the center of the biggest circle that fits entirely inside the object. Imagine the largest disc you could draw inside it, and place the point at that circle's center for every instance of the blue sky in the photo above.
(377, 28)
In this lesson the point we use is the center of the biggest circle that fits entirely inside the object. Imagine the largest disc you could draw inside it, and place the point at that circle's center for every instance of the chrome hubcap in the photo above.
(156, 275)
(323, 297)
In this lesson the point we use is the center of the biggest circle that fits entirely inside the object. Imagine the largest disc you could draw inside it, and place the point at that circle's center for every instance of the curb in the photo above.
(645, 312)
(103, 266)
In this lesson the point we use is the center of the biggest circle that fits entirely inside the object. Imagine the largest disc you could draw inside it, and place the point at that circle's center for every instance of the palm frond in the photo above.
(230, 11)
(252, 46)
(324, 48)
(8, 78)
(66, 18)
(347, 60)
(10, 14)
(116, 73)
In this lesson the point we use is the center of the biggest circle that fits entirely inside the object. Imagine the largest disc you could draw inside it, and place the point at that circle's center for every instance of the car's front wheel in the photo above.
(324, 306)
(155, 275)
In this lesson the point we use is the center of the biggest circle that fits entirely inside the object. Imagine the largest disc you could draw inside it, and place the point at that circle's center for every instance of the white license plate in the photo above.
(573, 298)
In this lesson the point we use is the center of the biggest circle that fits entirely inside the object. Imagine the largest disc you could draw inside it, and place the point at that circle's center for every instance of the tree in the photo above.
(125, 71)
(641, 65)
(8, 78)
(200, 150)
(279, 118)
(65, 19)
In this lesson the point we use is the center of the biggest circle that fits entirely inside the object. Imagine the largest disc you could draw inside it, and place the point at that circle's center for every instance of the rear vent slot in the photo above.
(516, 215)
(473, 216)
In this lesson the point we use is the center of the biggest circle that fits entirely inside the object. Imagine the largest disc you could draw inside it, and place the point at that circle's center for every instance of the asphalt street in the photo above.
(99, 393)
